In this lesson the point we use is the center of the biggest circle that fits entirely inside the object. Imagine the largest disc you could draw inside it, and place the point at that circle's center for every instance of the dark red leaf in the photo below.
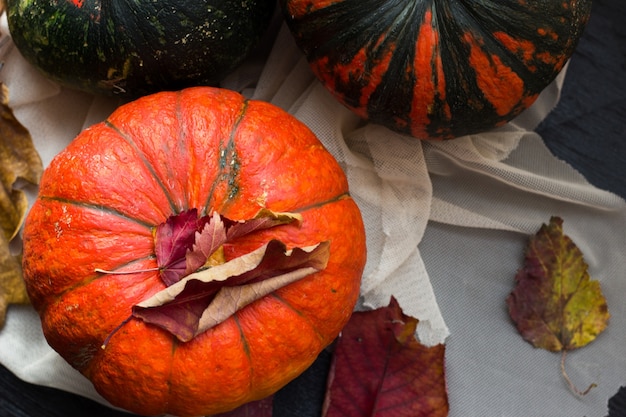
(206, 298)
(206, 242)
(380, 369)
(172, 240)
(185, 242)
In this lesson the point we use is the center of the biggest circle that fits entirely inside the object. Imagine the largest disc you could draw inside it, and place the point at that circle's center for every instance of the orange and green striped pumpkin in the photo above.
(437, 69)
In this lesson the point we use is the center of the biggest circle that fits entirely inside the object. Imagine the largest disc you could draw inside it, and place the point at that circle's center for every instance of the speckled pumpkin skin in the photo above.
(99, 203)
(437, 69)
(132, 48)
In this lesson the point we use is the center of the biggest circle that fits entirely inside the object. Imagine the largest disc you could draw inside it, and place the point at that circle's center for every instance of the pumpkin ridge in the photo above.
(455, 21)
(530, 54)
(228, 165)
(495, 58)
(396, 62)
(182, 139)
(169, 378)
(98, 207)
(341, 14)
(146, 163)
(299, 313)
(244, 346)
(319, 204)
(336, 16)
(54, 298)
(493, 48)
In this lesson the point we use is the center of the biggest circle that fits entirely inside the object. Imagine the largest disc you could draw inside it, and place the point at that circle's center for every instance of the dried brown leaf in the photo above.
(19, 161)
(204, 299)
(186, 242)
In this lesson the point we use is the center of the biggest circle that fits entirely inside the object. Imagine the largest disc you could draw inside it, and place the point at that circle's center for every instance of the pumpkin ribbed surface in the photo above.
(132, 48)
(99, 203)
(437, 69)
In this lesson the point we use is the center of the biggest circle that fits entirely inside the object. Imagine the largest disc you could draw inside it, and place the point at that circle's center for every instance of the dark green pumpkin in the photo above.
(437, 69)
(135, 47)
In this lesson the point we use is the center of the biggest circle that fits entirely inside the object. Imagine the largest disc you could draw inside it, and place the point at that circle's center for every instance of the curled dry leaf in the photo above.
(202, 288)
(555, 305)
(18, 161)
(173, 239)
(380, 369)
(186, 242)
(204, 299)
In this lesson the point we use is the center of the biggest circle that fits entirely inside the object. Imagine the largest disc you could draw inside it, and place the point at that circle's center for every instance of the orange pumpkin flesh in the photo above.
(99, 203)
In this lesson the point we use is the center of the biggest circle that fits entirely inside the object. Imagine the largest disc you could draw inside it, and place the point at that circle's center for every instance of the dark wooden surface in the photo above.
(587, 129)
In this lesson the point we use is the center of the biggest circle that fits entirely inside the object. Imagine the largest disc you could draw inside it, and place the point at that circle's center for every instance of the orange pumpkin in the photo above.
(100, 205)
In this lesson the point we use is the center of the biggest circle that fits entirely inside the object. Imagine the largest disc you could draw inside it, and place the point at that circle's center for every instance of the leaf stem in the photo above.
(119, 326)
(137, 271)
(570, 384)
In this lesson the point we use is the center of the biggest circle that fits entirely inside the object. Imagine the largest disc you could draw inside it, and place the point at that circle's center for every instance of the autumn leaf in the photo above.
(206, 246)
(202, 288)
(185, 242)
(260, 408)
(173, 238)
(19, 162)
(555, 305)
(264, 219)
(380, 369)
(206, 298)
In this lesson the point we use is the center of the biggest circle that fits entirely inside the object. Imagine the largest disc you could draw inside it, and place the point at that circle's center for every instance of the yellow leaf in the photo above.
(19, 161)
(556, 305)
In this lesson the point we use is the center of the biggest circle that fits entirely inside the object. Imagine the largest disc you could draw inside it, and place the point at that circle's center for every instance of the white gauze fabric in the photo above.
(504, 181)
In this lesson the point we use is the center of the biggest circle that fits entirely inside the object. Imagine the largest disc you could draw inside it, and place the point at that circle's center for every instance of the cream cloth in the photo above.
(446, 223)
